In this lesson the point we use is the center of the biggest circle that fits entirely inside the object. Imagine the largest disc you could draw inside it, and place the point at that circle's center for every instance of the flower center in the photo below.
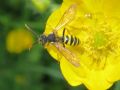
(101, 42)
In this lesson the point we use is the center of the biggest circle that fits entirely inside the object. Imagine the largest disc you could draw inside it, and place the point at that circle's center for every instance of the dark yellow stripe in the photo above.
(75, 41)
(78, 41)
(72, 39)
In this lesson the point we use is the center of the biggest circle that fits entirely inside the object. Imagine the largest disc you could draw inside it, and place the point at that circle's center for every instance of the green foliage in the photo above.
(34, 69)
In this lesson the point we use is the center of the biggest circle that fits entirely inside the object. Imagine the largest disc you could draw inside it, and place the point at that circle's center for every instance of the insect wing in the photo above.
(67, 17)
(71, 57)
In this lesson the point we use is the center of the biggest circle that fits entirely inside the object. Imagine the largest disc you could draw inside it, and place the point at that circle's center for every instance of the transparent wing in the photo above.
(67, 17)
(71, 57)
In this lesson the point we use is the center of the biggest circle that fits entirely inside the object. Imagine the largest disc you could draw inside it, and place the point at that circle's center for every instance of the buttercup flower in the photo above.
(18, 40)
(97, 24)
(41, 5)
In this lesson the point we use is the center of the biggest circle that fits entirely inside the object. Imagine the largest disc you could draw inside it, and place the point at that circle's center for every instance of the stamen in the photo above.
(101, 43)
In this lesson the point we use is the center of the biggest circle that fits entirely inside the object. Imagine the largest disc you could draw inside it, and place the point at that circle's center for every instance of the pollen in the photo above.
(101, 42)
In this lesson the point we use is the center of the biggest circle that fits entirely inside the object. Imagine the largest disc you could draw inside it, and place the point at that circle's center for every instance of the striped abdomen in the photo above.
(71, 40)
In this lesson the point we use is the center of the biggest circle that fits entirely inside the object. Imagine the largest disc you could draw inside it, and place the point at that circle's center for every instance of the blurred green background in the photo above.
(21, 69)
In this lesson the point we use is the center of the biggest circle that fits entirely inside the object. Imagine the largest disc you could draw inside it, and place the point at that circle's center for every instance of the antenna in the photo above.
(28, 28)
(35, 34)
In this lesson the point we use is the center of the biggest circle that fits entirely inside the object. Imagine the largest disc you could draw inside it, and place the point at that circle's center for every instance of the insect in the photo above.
(60, 42)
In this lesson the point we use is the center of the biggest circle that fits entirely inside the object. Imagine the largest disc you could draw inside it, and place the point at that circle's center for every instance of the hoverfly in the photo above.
(60, 42)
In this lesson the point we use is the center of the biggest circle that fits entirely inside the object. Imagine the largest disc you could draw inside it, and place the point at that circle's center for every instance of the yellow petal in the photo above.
(113, 69)
(94, 76)
(52, 22)
(96, 80)
(111, 8)
(108, 7)
(71, 73)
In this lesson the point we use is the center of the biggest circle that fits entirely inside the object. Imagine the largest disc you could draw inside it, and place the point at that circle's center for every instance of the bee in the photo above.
(59, 42)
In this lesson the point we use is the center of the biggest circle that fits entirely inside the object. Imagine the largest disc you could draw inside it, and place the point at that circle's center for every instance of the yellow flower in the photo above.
(41, 5)
(18, 40)
(97, 24)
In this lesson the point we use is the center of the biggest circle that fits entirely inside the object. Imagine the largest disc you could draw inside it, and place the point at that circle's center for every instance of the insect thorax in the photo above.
(51, 37)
